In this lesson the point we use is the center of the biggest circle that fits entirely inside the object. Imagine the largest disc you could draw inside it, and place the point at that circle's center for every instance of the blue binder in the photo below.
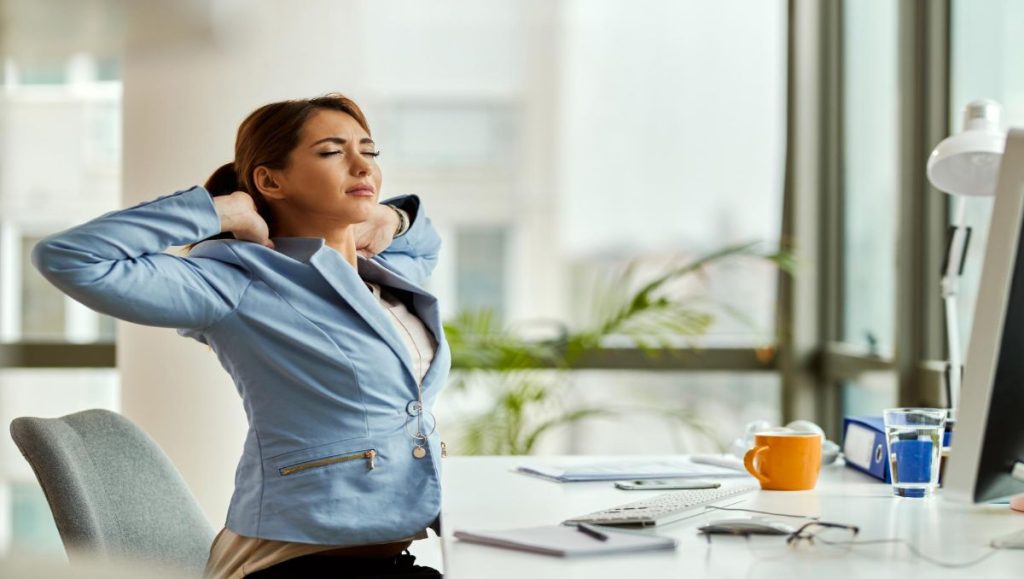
(864, 446)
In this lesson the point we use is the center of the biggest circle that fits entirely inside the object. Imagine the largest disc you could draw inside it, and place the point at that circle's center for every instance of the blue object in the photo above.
(913, 460)
(864, 446)
(324, 376)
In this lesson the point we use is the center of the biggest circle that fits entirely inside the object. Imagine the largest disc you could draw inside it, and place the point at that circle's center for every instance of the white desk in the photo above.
(485, 493)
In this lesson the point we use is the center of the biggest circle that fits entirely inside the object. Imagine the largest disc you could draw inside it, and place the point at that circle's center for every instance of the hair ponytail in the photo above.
(223, 181)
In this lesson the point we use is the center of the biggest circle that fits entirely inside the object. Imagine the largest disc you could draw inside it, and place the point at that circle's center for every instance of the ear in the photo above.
(267, 182)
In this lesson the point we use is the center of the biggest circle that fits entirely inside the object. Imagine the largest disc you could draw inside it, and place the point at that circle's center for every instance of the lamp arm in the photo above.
(959, 239)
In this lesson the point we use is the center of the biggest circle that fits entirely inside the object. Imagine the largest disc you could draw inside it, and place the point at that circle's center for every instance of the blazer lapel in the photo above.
(425, 304)
(350, 287)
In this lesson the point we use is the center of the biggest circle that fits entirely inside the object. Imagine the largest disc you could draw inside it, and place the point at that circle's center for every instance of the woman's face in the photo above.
(331, 175)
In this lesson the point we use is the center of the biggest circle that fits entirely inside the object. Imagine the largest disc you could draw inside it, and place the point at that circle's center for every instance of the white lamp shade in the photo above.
(968, 163)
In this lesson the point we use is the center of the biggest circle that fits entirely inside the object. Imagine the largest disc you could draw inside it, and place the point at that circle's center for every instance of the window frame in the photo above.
(816, 362)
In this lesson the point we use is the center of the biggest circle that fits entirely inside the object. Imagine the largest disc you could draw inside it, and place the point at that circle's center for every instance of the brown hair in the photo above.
(265, 138)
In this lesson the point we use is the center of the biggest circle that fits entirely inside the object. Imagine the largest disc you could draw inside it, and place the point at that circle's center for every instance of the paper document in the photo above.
(567, 541)
(623, 469)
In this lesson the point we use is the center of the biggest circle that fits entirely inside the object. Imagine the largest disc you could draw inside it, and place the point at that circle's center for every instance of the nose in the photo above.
(360, 166)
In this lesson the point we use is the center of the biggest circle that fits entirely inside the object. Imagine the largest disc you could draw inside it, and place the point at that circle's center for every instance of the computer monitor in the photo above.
(986, 460)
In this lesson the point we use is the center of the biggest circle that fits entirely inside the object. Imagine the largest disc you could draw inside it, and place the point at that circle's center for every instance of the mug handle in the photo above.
(748, 462)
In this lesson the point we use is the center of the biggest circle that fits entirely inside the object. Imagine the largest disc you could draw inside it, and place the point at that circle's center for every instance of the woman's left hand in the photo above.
(376, 233)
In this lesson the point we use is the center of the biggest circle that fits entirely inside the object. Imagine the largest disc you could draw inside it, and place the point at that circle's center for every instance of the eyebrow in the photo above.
(340, 141)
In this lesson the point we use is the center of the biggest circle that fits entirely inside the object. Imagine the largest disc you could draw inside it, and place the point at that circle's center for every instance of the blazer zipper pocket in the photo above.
(369, 455)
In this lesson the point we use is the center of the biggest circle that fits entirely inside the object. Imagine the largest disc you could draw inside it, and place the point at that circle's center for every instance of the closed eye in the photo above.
(331, 153)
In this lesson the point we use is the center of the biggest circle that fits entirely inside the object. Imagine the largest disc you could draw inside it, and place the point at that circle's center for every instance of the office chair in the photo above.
(112, 491)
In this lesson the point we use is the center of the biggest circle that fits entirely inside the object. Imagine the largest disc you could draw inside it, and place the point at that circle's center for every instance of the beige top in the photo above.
(418, 340)
(233, 556)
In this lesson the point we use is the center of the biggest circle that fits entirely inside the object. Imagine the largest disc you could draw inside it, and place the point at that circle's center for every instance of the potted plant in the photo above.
(526, 379)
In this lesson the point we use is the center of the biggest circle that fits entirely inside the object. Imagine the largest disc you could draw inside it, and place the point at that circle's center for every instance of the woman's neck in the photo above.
(339, 238)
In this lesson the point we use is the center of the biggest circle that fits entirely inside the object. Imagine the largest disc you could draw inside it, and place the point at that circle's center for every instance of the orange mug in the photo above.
(785, 461)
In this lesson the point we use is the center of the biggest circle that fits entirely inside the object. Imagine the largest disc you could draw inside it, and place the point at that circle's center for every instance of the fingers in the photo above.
(261, 239)
(371, 247)
(257, 236)
(371, 242)
(265, 242)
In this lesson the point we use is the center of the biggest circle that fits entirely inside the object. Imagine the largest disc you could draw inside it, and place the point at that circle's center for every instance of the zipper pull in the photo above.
(444, 450)
(371, 455)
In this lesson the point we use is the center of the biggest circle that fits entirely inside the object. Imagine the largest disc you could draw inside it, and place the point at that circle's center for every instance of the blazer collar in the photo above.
(298, 248)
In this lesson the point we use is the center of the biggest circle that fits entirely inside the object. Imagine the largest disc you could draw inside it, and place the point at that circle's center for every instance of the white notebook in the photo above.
(630, 468)
(567, 541)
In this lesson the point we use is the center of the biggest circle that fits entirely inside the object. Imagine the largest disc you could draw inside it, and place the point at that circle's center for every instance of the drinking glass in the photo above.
(914, 440)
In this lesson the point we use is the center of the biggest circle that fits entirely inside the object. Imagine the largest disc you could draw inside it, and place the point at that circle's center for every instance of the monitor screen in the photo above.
(987, 448)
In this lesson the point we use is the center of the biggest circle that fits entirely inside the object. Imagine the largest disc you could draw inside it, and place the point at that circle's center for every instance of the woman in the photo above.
(310, 293)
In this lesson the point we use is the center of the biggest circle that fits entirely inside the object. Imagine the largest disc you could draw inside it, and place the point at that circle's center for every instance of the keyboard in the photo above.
(664, 508)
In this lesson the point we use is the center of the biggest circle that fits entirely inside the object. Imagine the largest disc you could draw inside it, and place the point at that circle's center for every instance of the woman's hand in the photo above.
(239, 217)
(376, 233)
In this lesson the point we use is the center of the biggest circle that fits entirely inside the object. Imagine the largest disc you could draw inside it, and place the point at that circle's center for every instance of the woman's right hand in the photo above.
(239, 217)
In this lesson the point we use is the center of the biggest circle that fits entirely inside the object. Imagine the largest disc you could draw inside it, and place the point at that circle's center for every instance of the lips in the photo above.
(360, 190)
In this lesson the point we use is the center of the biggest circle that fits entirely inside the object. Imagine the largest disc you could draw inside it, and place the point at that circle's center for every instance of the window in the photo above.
(41, 306)
(44, 73)
(870, 197)
(447, 137)
(870, 177)
(61, 151)
(480, 269)
(676, 155)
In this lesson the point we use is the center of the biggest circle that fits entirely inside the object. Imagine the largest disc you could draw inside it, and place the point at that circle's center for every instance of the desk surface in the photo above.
(485, 493)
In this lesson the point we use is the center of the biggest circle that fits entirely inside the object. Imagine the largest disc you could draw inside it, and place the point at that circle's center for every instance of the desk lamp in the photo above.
(964, 165)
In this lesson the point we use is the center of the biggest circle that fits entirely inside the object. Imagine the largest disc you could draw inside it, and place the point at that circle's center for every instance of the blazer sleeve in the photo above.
(413, 255)
(114, 264)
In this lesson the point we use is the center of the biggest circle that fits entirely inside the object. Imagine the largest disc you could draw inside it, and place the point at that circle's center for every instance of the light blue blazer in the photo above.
(326, 381)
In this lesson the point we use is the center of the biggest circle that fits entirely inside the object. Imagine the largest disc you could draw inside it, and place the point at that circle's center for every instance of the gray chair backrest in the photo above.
(112, 490)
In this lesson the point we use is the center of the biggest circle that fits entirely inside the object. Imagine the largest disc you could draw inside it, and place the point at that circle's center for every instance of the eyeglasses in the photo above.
(825, 532)
(828, 533)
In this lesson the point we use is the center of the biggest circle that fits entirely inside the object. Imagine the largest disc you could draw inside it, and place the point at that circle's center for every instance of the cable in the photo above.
(914, 550)
(711, 506)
